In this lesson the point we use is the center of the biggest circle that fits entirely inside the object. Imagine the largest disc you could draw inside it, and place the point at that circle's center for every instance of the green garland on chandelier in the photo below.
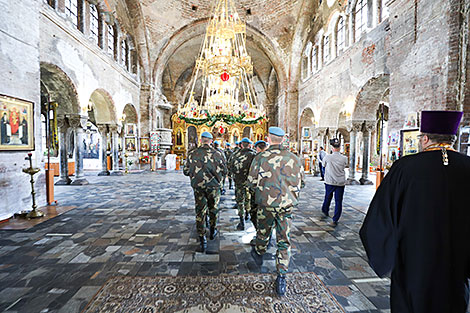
(210, 120)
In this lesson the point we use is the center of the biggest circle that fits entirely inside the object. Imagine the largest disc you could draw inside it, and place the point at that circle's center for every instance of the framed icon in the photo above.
(16, 124)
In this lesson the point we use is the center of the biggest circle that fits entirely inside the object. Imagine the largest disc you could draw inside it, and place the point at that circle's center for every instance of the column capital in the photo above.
(62, 123)
(102, 128)
(369, 126)
(115, 128)
(354, 127)
(321, 131)
(77, 120)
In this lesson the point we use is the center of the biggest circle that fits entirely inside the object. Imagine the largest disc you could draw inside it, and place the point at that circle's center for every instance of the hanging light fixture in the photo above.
(226, 70)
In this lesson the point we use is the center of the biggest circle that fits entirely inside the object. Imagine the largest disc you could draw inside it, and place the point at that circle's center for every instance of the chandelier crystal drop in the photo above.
(224, 69)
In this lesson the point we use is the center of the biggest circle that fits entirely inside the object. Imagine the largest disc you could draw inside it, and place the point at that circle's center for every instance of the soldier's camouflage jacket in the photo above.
(240, 164)
(276, 175)
(228, 153)
(206, 167)
(235, 150)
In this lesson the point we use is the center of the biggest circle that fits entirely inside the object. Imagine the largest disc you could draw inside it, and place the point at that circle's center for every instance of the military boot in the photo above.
(281, 285)
(213, 233)
(241, 225)
(203, 243)
(247, 216)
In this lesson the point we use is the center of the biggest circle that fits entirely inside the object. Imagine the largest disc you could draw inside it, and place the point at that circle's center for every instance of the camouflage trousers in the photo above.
(242, 197)
(253, 209)
(207, 202)
(280, 219)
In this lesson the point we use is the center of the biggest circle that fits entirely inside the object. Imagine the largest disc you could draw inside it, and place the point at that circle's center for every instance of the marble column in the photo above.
(115, 151)
(103, 129)
(63, 158)
(366, 130)
(79, 123)
(354, 129)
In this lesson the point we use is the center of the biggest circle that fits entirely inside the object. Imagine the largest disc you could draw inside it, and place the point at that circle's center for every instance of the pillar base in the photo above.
(365, 181)
(63, 181)
(104, 173)
(352, 181)
(80, 182)
(116, 173)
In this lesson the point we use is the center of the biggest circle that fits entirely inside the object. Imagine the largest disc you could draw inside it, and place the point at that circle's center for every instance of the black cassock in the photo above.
(418, 228)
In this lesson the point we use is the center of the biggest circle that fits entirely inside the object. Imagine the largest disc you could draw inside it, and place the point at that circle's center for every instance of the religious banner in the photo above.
(16, 124)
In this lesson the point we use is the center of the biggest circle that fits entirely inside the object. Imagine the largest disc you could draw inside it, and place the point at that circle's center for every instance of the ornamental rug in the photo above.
(251, 293)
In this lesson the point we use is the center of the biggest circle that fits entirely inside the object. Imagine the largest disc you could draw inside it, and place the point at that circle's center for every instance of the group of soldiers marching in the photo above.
(267, 186)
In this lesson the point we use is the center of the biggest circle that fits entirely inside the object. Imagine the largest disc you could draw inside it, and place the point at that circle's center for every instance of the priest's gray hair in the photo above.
(438, 138)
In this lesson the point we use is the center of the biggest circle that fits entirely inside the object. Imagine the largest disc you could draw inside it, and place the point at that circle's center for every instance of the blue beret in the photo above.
(207, 135)
(246, 140)
(260, 141)
(217, 143)
(228, 144)
(277, 131)
(237, 142)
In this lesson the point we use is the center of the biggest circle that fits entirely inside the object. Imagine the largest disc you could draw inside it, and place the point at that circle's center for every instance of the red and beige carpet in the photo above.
(213, 294)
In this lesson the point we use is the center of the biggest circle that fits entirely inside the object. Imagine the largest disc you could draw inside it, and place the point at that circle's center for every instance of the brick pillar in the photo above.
(147, 92)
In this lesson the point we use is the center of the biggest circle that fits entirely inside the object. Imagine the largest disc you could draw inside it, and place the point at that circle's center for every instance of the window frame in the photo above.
(71, 8)
(361, 10)
(326, 43)
(94, 19)
(340, 34)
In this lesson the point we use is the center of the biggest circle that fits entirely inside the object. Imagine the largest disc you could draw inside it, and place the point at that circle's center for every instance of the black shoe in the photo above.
(258, 258)
(322, 179)
(213, 233)
(253, 242)
(281, 285)
(241, 225)
(247, 216)
(222, 192)
(203, 243)
(333, 224)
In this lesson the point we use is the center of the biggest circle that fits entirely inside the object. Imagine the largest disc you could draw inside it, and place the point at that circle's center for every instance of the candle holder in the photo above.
(32, 171)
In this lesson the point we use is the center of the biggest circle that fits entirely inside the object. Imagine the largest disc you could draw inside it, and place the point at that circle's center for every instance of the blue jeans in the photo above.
(339, 192)
(322, 171)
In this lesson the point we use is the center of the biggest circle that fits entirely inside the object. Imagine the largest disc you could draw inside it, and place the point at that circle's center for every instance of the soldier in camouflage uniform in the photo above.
(228, 153)
(240, 166)
(260, 146)
(206, 168)
(216, 146)
(276, 175)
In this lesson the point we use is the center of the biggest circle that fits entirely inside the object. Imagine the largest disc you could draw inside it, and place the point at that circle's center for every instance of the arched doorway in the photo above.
(58, 93)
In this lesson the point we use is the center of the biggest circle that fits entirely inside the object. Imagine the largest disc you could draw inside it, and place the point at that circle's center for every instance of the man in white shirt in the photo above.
(335, 180)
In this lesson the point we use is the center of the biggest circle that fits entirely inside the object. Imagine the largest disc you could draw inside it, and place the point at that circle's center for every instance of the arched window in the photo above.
(340, 35)
(111, 40)
(51, 3)
(315, 59)
(71, 10)
(360, 18)
(326, 49)
(94, 24)
(125, 54)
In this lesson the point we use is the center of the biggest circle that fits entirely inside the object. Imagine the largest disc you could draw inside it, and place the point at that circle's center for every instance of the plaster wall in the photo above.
(19, 61)
(88, 67)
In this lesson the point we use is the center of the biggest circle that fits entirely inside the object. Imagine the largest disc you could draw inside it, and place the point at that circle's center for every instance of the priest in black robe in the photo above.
(417, 227)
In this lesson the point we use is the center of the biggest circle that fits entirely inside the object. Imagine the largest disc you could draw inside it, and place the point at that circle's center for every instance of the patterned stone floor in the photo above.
(143, 225)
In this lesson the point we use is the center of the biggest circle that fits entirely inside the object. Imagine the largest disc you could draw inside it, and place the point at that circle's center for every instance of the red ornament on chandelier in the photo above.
(224, 76)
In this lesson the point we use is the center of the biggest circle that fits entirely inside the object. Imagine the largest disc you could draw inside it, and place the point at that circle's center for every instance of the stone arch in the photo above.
(369, 97)
(60, 88)
(103, 108)
(198, 28)
(307, 118)
(131, 114)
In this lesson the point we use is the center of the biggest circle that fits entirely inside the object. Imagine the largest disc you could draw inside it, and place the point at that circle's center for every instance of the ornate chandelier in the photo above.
(225, 69)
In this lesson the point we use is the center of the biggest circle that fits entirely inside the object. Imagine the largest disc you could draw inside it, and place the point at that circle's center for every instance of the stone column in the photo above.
(63, 165)
(115, 150)
(368, 127)
(352, 153)
(103, 129)
(79, 123)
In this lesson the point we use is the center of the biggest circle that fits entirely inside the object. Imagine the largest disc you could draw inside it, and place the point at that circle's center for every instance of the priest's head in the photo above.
(439, 127)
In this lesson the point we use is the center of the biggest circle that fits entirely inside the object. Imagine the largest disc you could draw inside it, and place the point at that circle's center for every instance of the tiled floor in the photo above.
(143, 224)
